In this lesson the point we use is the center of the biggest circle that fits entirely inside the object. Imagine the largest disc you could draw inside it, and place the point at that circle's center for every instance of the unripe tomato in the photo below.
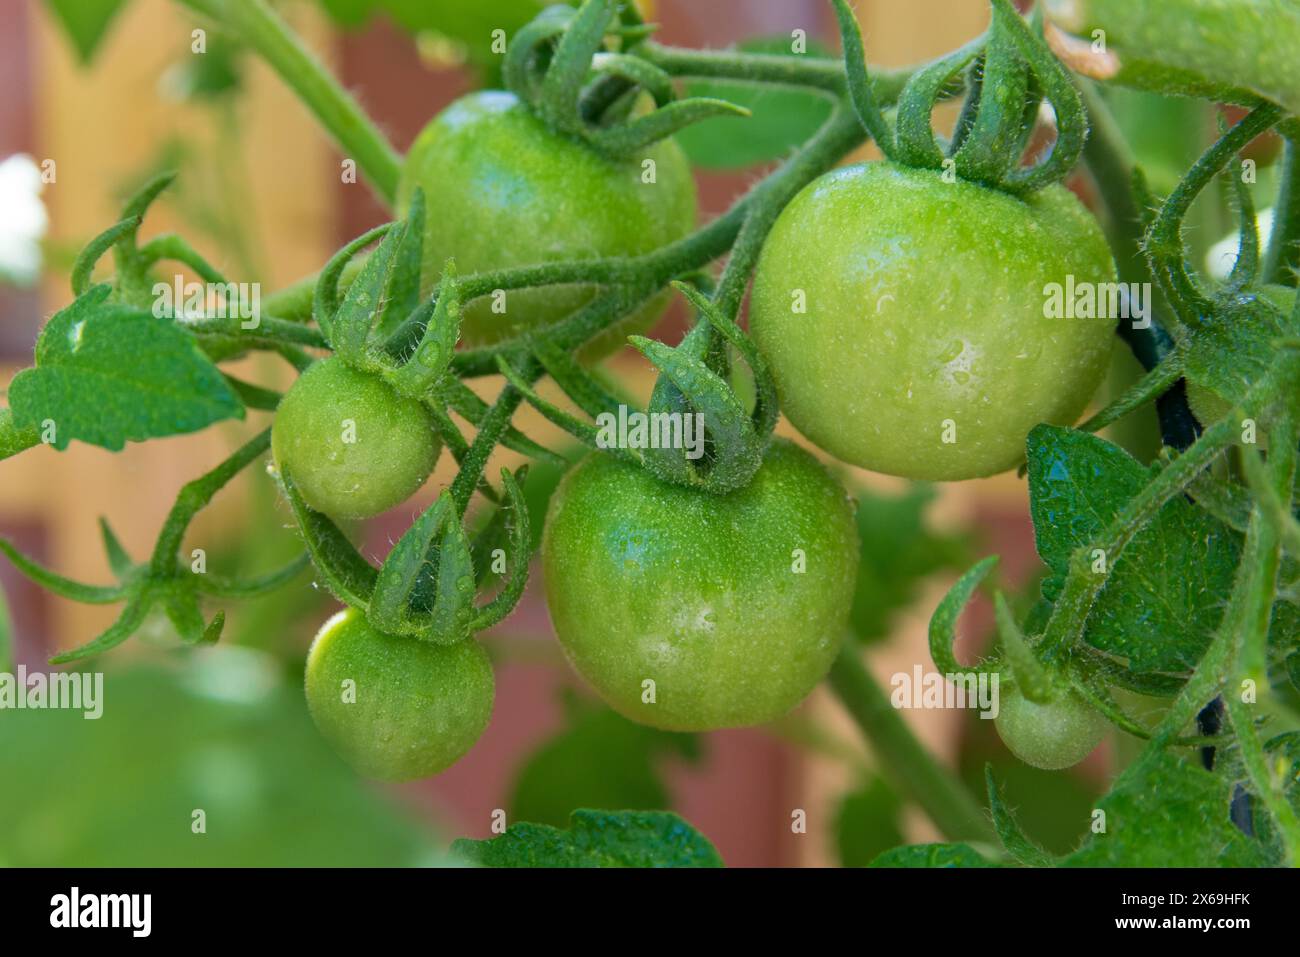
(1055, 735)
(904, 318)
(353, 446)
(396, 708)
(689, 611)
(504, 190)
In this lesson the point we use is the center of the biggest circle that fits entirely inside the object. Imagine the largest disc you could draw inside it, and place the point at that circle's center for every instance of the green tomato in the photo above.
(506, 191)
(689, 611)
(905, 319)
(1055, 735)
(353, 446)
(396, 708)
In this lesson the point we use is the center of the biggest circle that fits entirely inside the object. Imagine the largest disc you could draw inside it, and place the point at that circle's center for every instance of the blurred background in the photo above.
(106, 93)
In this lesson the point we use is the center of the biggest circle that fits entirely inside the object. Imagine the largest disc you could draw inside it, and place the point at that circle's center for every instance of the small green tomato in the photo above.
(396, 708)
(353, 446)
(1055, 735)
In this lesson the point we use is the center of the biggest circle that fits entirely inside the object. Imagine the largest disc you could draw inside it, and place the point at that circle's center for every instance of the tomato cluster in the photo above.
(902, 316)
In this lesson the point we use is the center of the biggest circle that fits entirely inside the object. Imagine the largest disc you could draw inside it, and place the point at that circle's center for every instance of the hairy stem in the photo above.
(943, 798)
(257, 25)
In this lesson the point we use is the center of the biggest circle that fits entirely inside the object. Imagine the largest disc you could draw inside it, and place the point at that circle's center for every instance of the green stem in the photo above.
(194, 496)
(257, 25)
(819, 73)
(1282, 258)
(1266, 786)
(943, 798)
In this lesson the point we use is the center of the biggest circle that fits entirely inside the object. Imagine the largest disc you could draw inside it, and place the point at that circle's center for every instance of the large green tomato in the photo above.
(503, 190)
(689, 611)
(396, 708)
(1055, 735)
(352, 445)
(905, 319)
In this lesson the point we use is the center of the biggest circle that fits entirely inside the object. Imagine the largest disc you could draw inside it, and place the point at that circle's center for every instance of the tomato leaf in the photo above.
(597, 839)
(933, 855)
(1164, 597)
(86, 22)
(1167, 811)
(108, 374)
(14, 439)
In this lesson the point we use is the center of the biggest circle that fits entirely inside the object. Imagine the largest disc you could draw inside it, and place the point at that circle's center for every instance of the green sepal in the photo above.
(529, 48)
(119, 562)
(519, 530)
(1021, 848)
(432, 356)
(325, 300)
(860, 91)
(430, 565)
(350, 326)
(583, 36)
(915, 142)
(127, 624)
(347, 575)
(992, 141)
(943, 623)
(1030, 675)
(402, 295)
(631, 138)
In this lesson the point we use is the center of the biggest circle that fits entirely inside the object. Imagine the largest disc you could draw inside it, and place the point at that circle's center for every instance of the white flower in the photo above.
(23, 221)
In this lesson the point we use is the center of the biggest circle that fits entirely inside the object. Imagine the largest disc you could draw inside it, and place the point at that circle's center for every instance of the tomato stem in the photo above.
(945, 800)
(257, 25)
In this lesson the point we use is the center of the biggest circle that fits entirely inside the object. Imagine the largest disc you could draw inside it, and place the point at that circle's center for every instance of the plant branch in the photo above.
(943, 798)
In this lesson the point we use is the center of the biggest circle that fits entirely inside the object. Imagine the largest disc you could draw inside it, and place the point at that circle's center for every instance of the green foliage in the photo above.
(933, 855)
(86, 22)
(468, 25)
(899, 551)
(1164, 596)
(218, 732)
(782, 117)
(1167, 811)
(596, 839)
(148, 376)
(599, 759)
(14, 439)
(867, 822)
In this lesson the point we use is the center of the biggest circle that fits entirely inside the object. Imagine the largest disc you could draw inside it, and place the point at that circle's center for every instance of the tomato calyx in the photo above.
(1009, 72)
(428, 586)
(696, 431)
(549, 61)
